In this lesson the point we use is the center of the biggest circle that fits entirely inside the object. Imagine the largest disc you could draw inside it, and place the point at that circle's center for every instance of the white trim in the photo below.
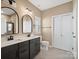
(75, 20)
(63, 14)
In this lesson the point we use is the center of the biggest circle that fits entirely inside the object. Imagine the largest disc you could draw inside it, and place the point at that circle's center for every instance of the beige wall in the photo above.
(46, 19)
(46, 15)
(21, 7)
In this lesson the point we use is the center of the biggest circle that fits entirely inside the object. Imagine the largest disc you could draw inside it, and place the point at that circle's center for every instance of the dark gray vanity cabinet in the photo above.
(24, 50)
(34, 47)
(9, 52)
(17, 51)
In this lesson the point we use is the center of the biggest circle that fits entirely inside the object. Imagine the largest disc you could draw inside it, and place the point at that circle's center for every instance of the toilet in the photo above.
(44, 45)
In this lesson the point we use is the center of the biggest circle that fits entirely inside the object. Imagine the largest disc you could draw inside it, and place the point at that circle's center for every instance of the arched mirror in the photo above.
(9, 21)
(26, 24)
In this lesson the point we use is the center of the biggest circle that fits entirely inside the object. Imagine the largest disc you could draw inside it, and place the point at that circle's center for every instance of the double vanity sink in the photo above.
(17, 39)
(14, 44)
(21, 47)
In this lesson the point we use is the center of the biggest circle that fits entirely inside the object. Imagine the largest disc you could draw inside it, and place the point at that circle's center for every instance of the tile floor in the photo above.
(54, 53)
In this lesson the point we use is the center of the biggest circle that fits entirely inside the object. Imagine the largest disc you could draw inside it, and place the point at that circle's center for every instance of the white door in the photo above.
(63, 32)
(67, 38)
(57, 31)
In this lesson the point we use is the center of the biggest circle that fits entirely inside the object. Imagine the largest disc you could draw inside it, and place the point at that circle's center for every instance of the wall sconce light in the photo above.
(11, 1)
(28, 11)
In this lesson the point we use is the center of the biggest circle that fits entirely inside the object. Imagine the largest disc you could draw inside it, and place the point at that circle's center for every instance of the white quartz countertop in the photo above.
(17, 39)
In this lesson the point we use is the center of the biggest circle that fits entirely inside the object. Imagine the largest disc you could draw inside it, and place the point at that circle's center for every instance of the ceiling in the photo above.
(46, 4)
(7, 11)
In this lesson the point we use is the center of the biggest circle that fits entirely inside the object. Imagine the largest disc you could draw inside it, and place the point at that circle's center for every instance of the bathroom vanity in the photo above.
(14, 45)
(24, 48)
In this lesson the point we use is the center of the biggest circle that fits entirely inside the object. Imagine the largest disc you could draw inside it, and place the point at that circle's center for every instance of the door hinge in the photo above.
(72, 48)
(74, 36)
(72, 17)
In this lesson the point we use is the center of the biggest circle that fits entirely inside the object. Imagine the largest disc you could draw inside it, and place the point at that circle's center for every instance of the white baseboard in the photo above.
(75, 55)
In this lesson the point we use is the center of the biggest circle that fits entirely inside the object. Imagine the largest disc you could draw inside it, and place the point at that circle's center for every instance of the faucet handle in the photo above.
(10, 38)
(28, 35)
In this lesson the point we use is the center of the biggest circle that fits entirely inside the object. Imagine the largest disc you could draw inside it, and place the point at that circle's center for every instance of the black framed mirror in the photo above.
(9, 21)
(26, 24)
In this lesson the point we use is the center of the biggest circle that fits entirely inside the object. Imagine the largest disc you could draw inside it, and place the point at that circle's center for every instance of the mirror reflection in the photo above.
(9, 21)
(27, 24)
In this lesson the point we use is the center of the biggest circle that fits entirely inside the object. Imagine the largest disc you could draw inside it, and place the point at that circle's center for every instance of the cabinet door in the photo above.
(9, 52)
(37, 46)
(24, 50)
(3, 53)
(67, 38)
(57, 42)
(34, 47)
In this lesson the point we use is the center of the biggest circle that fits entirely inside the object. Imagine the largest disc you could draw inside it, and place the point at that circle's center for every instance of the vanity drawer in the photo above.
(23, 49)
(23, 44)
